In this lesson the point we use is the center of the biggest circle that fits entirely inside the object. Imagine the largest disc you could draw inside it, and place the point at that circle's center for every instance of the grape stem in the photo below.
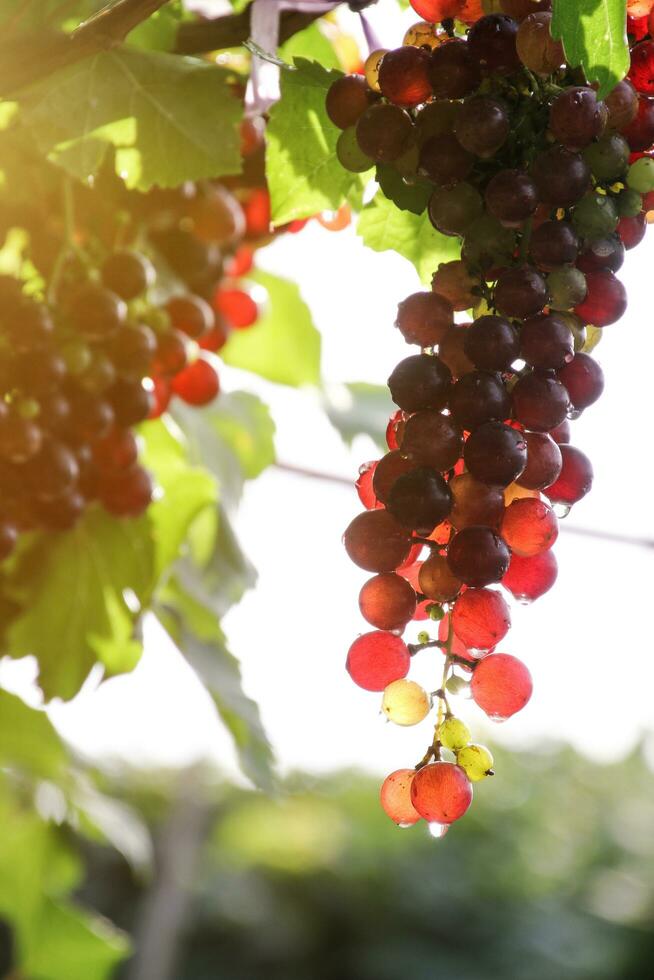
(69, 245)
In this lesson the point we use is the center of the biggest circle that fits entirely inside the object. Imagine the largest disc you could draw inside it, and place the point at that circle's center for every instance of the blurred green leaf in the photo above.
(70, 944)
(303, 172)
(310, 44)
(594, 35)
(383, 227)
(170, 118)
(360, 407)
(284, 345)
(159, 31)
(28, 740)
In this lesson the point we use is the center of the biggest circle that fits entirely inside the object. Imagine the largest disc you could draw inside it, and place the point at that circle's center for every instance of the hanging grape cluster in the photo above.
(546, 185)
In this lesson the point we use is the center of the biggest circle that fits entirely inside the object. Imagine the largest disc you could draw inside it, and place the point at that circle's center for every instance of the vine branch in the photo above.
(198, 37)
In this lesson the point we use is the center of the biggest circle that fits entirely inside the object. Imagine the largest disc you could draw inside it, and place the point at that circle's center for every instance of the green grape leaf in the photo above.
(408, 197)
(383, 227)
(28, 739)
(284, 345)
(594, 35)
(360, 407)
(311, 44)
(170, 118)
(303, 172)
(159, 31)
(196, 630)
(71, 944)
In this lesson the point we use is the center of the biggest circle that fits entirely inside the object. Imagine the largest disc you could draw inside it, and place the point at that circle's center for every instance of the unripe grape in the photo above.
(629, 204)
(476, 762)
(395, 798)
(567, 289)
(501, 685)
(453, 733)
(608, 159)
(641, 175)
(405, 703)
(423, 35)
(371, 68)
(350, 155)
(441, 792)
(457, 686)
(377, 659)
(595, 217)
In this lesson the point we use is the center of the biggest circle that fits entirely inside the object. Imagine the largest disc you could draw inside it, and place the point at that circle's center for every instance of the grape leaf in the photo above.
(383, 227)
(360, 407)
(408, 197)
(170, 118)
(304, 174)
(594, 35)
(311, 44)
(284, 345)
(71, 944)
(28, 739)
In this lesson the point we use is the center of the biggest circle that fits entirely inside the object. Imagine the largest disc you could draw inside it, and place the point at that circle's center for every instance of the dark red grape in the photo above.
(474, 502)
(561, 433)
(387, 601)
(132, 349)
(404, 76)
(97, 312)
(606, 300)
(130, 401)
(632, 230)
(444, 160)
(389, 468)
(540, 401)
(384, 132)
(640, 131)
(492, 343)
(127, 493)
(482, 125)
(641, 72)
(128, 274)
(478, 556)
(52, 472)
(622, 105)
(424, 318)
(190, 315)
(479, 397)
(420, 499)
(495, 454)
(512, 197)
(347, 99)
(562, 177)
(420, 381)
(432, 439)
(536, 47)
(546, 341)
(520, 292)
(574, 480)
(554, 243)
(519, 9)
(607, 253)
(577, 117)
(454, 72)
(544, 462)
(376, 542)
(492, 41)
(584, 380)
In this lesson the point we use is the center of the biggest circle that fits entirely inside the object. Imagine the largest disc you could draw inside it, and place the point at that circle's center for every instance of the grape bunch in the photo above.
(478, 119)
(98, 338)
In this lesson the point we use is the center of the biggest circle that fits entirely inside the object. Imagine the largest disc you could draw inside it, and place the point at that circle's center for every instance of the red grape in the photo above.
(606, 301)
(377, 659)
(584, 380)
(529, 578)
(423, 318)
(574, 480)
(377, 542)
(501, 685)
(441, 792)
(395, 798)
(404, 76)
(387, 601)
(529, 527)
(197, 383)
(480, 618)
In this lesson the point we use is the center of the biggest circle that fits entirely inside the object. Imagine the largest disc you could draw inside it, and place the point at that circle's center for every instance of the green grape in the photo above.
(453, 209)
(350, 156)
(641, 175)
(608, 158)
(567, 287)
(436, 612)
(423, 637)
(629, 203)
(405, 702)
(77, 356)
(476, 761)
(577, 329)
(453, 734)
(595, 217)
(457, 685)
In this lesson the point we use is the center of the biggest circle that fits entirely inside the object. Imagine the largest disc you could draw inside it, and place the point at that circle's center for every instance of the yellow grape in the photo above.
(405, 702)
(371, 68)
(476, 761)
(453, 734)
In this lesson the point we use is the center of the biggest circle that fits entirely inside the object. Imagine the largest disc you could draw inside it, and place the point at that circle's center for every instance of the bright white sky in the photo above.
(589, 643)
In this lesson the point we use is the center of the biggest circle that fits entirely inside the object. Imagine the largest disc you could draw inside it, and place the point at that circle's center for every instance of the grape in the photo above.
(350, 155)
(641, 175)
(128, 274)
(512, 197)
(197, 383)
(364, 486)
(387, 601)
(546, 341)
(171, 354)
(405, 703)
(423, 35)
(371, 68)
(480, 618)
(606, 300)
(482, 126)
(347, 99)
(577, 117)
(536, 47)
(520, 292)
(492, 41)
(492, 343)
(40, 372)
(476, 762)
(432, 439)
(595, 217)
(574, 480)
(530, 578)
(629, 204)
(404, 76)
(441, 792)
(453, 281)
(131, 349)
(96, 312)
(376, 542)
(420, 381)
(384, 132)
(436, 580)
(474, 502)
(395, 429)
(477, 398)
(130, 401)
(501, 685)
(495, 454)
(640, 131)
(444, 160)
(519, 9)
(423, 318)
(632, 230)
(488, 244)
(478, 556)
(60, 513)
(377, 659)
(91, 417)
(544, 462)
(236, 306)
(117, 450)
(562, 177)
(529, 527)
(190, 315)
(622, 105)
(52, 472)
(553, 244)
(453, 734)
(8, 539)
(451, 351)
(395, 798)
(641, 72)
(420, 499)
(567, 289)
(437, 10)
(607, 253)
(453, 209)
(435, 118)
(584, 380)
(454, 72)
(561, 433)
(127, 493)
(608, 158)
(540, 401)
(389, 468)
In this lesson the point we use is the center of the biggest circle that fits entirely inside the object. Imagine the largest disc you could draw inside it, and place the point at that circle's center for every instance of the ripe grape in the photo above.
(584, 380)
(536, 47)
(519, 9)
(632, 230)
(451, 351)
(622, 105)
(482, 126)
(512, 197)
(540, 401)
(544, 462)
(607, 253)
(501, 685)
(478, 556)
(562, 177)
(574, 480)
(454, 71)
(529, 527)
(640, 131)
(377, 659)
(387, 601)
(420, 381)
(197, 383)
(404, 76)
(190, 315)
(131, 350)
(364, 488)
(118, 450)
(520, 292)
(405, 703)
(530, 578)
(452, 209)
(420, 499)
(546, 341)
(444, 160)
(432, 439)
(437, 10)
(577, 117)
(641, 72)
(441, 792)
(495, 454)
(97, 312)
(492, 343)
(347, 99)
(479, 397)
(476, 762)
(606, 300)
(127, 493)
(474, 502)
(480, 618)
(127, 274)
(561, 433)
(383, 132)
(389, 468)
(437, 581)
(395, 798)
(376, 542)
(492, 41)
(423, 318)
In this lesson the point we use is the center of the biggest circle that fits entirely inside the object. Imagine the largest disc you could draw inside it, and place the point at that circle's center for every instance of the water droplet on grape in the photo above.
(438, 829)
(561, 510)
(405, 826)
